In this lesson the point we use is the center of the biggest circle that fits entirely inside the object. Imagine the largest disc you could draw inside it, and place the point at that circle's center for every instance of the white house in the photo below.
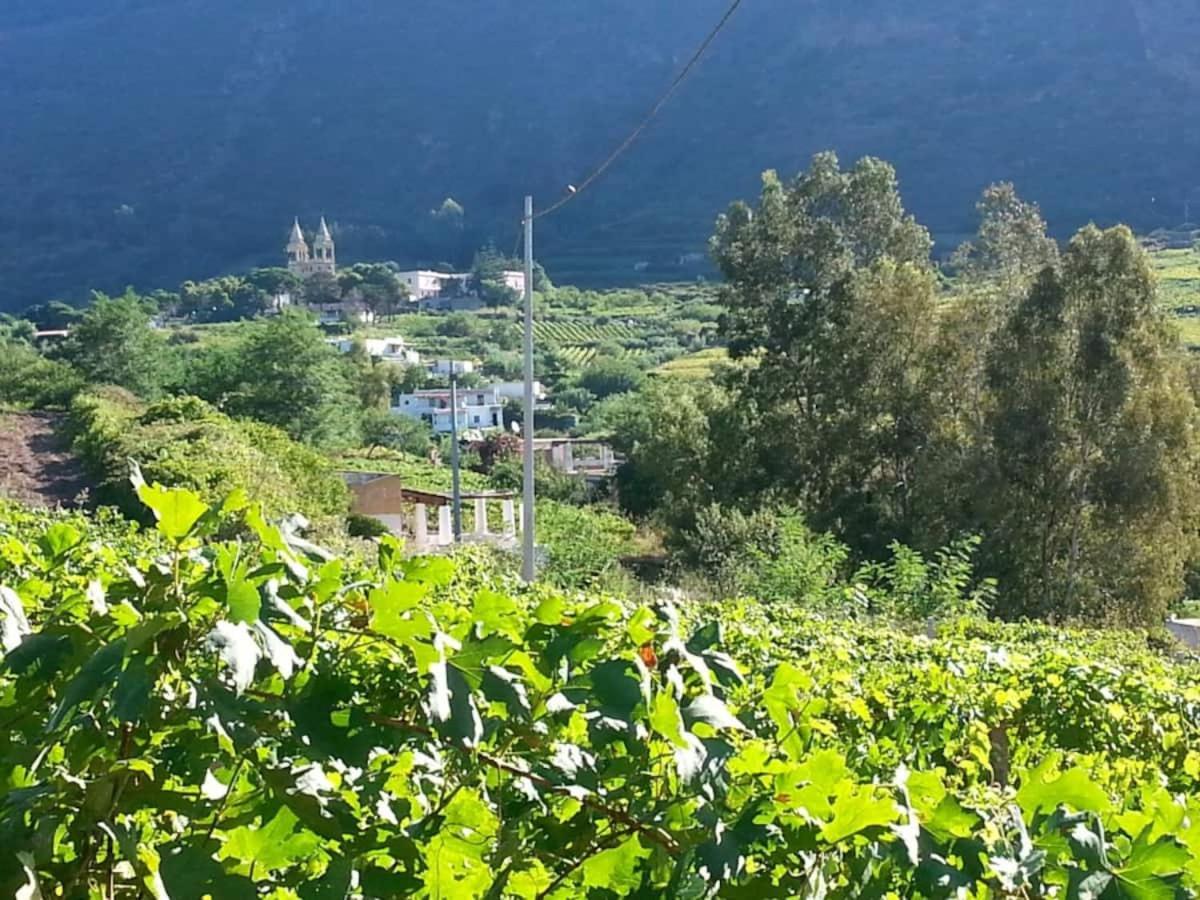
(447, 367)
(515, 390)
(390, 349)
(479, 409)
(425, 283)
(514, 280)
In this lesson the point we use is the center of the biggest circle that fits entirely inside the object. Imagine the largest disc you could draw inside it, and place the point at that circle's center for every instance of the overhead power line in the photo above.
(575, 191)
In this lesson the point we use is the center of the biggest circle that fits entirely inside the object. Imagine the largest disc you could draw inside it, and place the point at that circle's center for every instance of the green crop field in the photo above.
(695, 366)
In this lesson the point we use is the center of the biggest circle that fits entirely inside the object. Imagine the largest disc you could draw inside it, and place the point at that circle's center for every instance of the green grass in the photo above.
(1178, 273)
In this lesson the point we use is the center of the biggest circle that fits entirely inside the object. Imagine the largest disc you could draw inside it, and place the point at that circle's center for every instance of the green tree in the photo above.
(114, 343)
(273, 281)
(283, 373)
(1011, 245)
(608, 376)
(223, 299)
(1089, 501)
(320, 289)
(388, 431)
(376, 285)
(831, 294)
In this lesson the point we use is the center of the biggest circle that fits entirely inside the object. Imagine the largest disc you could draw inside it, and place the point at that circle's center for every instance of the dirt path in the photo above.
(36, 464)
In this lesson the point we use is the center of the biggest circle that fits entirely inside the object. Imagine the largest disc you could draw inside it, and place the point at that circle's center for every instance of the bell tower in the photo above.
(324, 257)
(321, 258)
(297, 251)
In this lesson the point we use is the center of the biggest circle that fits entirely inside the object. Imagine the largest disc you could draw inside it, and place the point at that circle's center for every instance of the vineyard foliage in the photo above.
(187, 716)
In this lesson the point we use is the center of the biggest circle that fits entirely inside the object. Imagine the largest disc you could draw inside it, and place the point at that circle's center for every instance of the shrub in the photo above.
(28, 379)
(769, 554)
(582, 545)
(364, 526)
(184, 442)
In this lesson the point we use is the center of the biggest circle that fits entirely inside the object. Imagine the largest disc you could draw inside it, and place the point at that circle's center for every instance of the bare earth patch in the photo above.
(37, 466)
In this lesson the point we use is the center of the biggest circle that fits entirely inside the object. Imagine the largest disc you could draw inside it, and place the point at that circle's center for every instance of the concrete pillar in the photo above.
(445, 526)
(481, 527)
(510, 517)
(420, 527)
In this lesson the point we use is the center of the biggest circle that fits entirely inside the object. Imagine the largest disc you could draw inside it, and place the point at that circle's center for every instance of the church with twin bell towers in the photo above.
(305, 262)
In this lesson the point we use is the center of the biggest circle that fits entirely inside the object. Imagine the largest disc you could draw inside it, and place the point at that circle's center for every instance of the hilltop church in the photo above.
(321, 259)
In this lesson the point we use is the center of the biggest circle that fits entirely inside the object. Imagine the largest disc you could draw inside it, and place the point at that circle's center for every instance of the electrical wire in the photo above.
(647, 119)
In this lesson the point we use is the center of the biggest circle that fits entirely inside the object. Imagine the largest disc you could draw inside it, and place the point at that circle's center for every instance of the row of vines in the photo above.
(185, 716)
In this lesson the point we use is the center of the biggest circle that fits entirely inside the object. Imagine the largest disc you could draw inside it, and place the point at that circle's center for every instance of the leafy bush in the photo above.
(184, 442)
(769, 554)
(29, 380)
(583, 545)
(364, 526)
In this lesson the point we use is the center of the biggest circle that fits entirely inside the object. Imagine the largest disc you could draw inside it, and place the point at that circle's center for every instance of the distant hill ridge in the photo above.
(156, 141)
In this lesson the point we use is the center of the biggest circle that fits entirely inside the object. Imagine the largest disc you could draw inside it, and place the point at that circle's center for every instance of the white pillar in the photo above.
(481, 516)
(509, 515)
(445, 526)
(420, 527)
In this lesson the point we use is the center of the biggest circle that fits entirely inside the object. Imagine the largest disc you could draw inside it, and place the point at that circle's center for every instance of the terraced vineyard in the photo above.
(583, 332)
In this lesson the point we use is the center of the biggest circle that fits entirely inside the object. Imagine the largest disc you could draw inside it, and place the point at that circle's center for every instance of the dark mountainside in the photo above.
(167, 139)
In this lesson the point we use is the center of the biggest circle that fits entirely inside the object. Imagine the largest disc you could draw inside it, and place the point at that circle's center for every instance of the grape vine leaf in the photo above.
(858, 809)
(1153, 868)
(1074, 787)
(617, 869)
(177, 510)
(243, 601)
(59, 539)
(97, 674)
(273, 846)
(711, 710)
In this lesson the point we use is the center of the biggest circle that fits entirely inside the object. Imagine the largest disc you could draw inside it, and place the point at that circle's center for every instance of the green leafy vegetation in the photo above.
(189, 716)
(1036, 397)
(183, 442)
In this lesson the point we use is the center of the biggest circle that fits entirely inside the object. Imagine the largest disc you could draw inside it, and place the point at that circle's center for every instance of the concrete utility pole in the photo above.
(456, 484)
(527, 536)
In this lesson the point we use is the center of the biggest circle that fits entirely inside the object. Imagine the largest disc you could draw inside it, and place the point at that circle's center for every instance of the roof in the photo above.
(550, 442)
(421, 495)
(323, 235)
(297, 236)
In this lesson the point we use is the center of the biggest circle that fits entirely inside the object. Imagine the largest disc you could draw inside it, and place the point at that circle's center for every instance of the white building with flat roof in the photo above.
(448, 367)
(425, 283)
(515, 390)
(478, 409)
(389, 349)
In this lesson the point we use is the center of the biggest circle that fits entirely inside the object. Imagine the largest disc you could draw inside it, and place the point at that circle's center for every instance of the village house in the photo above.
(447, 367)
(515, 390)
(478, 409)
(389, 349)
(426, 284)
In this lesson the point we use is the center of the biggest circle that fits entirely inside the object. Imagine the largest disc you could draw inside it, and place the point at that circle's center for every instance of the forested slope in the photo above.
(154, 141)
